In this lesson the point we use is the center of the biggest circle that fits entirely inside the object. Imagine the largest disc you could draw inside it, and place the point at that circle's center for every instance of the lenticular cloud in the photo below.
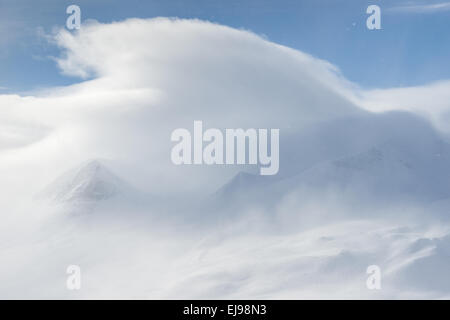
(87, 177)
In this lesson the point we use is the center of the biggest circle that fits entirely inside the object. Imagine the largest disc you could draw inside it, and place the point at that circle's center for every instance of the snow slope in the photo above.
(393, 164)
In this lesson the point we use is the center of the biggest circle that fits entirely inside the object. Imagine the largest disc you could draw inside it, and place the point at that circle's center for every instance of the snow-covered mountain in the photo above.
(335, 207)
(90, 182)
(390, 165)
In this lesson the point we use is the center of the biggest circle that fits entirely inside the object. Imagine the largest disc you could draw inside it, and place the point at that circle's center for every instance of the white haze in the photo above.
(167, 234)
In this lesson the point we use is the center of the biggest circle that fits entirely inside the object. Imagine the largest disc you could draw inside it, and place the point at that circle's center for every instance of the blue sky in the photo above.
(412, 48)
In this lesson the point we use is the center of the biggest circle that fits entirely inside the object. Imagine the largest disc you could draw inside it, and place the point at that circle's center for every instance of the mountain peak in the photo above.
(90, 182)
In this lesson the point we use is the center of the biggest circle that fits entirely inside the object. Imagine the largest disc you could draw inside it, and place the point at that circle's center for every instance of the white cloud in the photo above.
(431, 101)
(422, 8)
(149, 77)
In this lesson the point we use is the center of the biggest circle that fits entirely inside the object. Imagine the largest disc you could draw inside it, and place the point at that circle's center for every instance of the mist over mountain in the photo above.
(91, 182)
(355, 188)
(386, 159)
